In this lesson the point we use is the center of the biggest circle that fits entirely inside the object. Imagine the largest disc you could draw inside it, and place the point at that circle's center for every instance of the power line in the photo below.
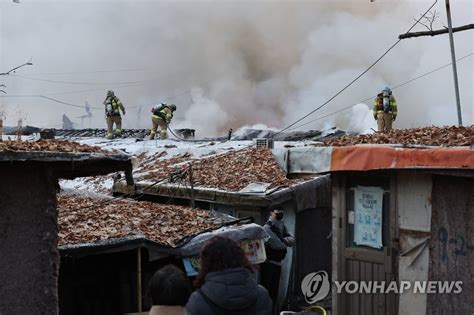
(93, 90)
(186, 92)
(46, 95)
(393, 88)
(357, 78)
(82, 83)
(51, 99)
(88, 72)
(114, 85)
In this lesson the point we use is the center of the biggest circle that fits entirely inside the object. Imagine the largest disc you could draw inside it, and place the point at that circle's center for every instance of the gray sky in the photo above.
(227, 64)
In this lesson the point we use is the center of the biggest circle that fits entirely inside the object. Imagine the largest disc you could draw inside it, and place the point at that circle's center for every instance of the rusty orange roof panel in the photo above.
(364, 158)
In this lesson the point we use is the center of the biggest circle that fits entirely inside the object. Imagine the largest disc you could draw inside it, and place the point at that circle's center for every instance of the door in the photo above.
(367, 259)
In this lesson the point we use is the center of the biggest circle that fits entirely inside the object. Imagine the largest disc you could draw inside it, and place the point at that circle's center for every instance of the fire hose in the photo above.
(317, 308)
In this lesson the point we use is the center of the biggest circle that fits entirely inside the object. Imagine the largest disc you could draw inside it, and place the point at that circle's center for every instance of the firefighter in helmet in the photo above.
(161, 117)
(113, 106)
(385, 110)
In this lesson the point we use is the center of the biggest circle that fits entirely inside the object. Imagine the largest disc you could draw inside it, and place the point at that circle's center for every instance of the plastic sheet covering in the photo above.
(250, 231)
(256, 187)
(304, 159)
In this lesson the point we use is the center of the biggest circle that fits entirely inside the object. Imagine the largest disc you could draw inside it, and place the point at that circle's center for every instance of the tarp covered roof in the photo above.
(374, 157)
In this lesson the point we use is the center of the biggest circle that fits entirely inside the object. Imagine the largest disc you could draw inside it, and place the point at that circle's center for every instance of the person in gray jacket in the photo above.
(275, 248)
(226, 284)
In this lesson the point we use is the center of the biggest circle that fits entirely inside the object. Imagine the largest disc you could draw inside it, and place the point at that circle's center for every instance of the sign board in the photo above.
(253, 249)
(368, 216)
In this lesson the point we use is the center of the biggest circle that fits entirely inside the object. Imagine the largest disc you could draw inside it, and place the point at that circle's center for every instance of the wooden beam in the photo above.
(437, 32)
(191, 182)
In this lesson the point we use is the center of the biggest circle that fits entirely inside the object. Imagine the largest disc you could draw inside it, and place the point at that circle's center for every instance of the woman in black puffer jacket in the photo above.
(226, 284)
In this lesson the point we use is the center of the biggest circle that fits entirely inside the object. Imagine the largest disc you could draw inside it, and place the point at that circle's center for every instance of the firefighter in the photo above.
(161, 117)
(113, 106)
(385, 110)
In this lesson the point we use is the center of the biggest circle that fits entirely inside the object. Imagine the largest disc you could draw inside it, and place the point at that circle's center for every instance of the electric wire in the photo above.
(88, 72)
(356, 78)
(393, 88)
(45, 96)
(80, 83)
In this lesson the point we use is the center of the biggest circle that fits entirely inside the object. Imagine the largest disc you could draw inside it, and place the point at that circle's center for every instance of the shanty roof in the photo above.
(86, 220)
(231, 171)
(226, 172)
(88, 225)
(68, 159)
(428, 136)
(399, 149)
(248, 176)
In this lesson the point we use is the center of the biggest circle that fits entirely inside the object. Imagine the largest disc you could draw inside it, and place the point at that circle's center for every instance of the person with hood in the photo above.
(113, 106)
(275, 247)
(169, 290)
(161, 117)
(226, 284)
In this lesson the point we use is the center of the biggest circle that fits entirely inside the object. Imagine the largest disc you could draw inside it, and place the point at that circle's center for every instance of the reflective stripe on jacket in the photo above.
(378, 105)
(116, 104)
(164, 113)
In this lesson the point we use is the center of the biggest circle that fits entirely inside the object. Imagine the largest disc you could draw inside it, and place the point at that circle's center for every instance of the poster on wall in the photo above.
(253, 249)
(368, 216)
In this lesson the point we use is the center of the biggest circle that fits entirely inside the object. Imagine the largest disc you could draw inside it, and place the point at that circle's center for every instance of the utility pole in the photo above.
(449, 30)
(453, 60)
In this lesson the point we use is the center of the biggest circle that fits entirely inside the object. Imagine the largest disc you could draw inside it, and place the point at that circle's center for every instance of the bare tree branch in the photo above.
(428, 20)
(419, 22)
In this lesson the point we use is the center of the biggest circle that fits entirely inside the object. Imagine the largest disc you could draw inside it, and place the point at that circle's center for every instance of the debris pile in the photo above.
(48, 146)
(83, 219)
(428, 136)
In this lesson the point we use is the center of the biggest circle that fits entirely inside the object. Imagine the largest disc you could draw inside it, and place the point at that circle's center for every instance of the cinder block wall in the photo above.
(28, 241)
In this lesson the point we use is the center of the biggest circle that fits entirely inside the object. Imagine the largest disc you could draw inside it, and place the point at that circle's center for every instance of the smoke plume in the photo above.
(226, 64)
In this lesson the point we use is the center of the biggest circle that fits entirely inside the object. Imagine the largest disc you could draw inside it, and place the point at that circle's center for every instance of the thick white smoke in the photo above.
(228, 64)
(361, 119)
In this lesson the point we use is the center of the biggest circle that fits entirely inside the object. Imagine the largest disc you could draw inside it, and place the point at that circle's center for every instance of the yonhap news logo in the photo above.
(315, 286)
(388, 287)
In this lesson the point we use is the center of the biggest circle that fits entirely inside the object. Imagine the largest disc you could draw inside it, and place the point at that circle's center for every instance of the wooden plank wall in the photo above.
(452, 243)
